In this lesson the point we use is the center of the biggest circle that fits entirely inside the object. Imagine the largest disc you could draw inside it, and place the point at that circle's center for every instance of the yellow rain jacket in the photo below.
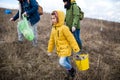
(62, 38)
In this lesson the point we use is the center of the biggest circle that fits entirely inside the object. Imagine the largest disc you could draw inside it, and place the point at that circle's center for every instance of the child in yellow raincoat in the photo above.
(63, 40)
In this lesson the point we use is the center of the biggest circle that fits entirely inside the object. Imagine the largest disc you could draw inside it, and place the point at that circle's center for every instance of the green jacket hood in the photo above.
(73, 0)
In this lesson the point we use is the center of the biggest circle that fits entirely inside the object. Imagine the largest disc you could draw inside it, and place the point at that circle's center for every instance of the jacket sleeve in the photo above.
(51, 43)
(34, 7)
(71, 40)
(16, 16)
(75, 15)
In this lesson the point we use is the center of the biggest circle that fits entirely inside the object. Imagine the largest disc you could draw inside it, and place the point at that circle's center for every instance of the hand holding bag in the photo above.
(25, 29)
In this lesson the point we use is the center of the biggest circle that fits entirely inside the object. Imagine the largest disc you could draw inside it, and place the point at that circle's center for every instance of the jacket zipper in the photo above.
(58, 33)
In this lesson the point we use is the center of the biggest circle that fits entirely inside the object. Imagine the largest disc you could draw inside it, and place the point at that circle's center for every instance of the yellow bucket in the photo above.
(82, 62)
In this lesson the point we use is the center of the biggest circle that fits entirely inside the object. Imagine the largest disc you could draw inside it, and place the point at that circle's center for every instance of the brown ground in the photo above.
(25, 62)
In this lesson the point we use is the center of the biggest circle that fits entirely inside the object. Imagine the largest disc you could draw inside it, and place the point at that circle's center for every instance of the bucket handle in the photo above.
(78, 57)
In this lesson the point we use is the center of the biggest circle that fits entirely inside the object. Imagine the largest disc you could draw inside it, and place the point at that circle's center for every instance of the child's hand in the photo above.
(49, 54)
(77, 55)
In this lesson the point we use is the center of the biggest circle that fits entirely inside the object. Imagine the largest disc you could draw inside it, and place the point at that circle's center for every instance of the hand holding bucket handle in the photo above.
(77, 56)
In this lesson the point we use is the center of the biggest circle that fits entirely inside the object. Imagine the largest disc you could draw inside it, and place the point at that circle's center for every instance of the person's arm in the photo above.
(51, 43)
(34, 8)
(70, 38)
(76, 15)
(16, 16)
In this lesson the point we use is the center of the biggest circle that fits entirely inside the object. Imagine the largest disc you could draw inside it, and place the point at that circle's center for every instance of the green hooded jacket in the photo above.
(72, 16)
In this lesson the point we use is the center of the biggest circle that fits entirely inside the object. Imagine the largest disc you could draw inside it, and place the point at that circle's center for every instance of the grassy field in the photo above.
(25, 62)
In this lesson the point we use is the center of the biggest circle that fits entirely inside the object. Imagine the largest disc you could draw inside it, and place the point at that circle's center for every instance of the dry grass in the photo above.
(25, 62)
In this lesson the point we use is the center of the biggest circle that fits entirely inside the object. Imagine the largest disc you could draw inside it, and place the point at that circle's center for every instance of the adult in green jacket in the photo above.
(72, 19)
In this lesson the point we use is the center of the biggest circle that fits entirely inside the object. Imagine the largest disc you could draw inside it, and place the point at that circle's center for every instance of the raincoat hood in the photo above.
(61, 18)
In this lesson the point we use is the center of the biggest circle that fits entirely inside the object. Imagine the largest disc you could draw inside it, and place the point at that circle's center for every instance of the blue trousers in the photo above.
(65, 62)
(76, 34)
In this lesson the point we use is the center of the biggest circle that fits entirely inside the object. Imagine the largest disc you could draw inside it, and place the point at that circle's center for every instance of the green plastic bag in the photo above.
(25, 29)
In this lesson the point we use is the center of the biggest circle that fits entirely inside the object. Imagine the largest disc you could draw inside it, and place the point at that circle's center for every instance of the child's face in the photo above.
(54, 19)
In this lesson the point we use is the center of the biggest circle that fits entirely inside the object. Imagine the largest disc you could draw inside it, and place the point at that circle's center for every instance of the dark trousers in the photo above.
(76, 34)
